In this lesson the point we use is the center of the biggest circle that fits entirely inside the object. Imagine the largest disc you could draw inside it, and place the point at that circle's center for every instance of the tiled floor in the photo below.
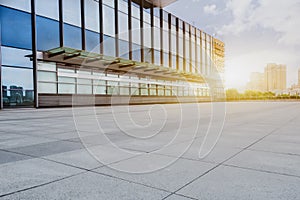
(152, 152)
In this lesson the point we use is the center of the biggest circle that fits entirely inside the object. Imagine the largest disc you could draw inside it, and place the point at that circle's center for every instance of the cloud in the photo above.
(210, 9)
(283, 18)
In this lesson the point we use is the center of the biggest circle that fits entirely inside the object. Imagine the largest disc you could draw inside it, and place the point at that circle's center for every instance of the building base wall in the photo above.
(49, 100)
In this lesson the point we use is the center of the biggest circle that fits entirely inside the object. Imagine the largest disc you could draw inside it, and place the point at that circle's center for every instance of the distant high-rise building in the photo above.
(275, 77)
(257, 81)
(4, 91)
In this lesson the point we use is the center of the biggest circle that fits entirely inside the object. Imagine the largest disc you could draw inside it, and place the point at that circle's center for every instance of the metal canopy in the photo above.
(155, 3)
(69, 56)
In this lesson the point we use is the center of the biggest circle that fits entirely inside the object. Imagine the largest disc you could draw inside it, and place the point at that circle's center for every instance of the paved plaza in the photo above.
(152, 152)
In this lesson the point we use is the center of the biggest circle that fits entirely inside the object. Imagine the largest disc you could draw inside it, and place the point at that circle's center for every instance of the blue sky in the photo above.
(255, 32)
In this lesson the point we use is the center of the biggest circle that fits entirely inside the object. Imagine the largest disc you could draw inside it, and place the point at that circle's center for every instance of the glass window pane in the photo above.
(97, 82)
(46, 66)
(123, 26)
(174, 62)
(187, 47)
(174, 44)
(157, 57)
(109, 19)
(16, 28)
(62, 79)
(108, 2)
(46, 76)
(72, 36)
(174, 91)
(168, 92)
(112, 90)
(71, 10)
(47, 33)
(11, 77)
(157, 38)
(180, 45)
(124, 90)
(144, 92)
(147, 55)
(69, 71)
(135, 9)
(136, 52)
(166, 41)
(92, 41)
(17, 4)
(166, 60)
(136, 34)
(15, 57)
(147, 35)
(47, 8)
(109, 46)
(203, 61)
(84, 89)
(147, 17)
(66, 88)
(47, 88)
(91, 8)
(123, 49)
(153, 91)
(123, 6)
(16, 90)
(84, 81)
(161, 92)
(99, 89)
(134, 91)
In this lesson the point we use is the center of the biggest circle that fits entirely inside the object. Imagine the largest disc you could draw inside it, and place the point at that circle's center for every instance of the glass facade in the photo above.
(71, 80)
(117, 28)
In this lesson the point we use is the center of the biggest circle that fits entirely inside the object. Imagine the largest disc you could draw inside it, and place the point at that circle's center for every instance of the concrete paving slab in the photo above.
(169, 178)
(266, 161)
(217, 155)
(49, 148)
(226, 183)
(63, 136)
(7, 157)
(91, 186)
(30, 173)
(277, 147)
(79, 158)
(24, 141)
(287, 137)
(8, 136)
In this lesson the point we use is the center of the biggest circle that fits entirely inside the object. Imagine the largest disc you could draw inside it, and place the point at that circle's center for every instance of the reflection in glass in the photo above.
(71, 10)
(91, 15)
(16, 28)
(109, 19)
(47, 33)
(123, 26)
(17, 91)
(72, 36)
(17, 4)
(123, 49)
(92, 41)
(109, 46)
(47, 8)
(15, 57)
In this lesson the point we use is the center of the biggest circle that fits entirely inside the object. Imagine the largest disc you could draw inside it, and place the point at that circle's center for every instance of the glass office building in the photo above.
(52, 50)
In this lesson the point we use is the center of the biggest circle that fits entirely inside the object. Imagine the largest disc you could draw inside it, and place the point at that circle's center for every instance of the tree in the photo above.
(232, 94)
